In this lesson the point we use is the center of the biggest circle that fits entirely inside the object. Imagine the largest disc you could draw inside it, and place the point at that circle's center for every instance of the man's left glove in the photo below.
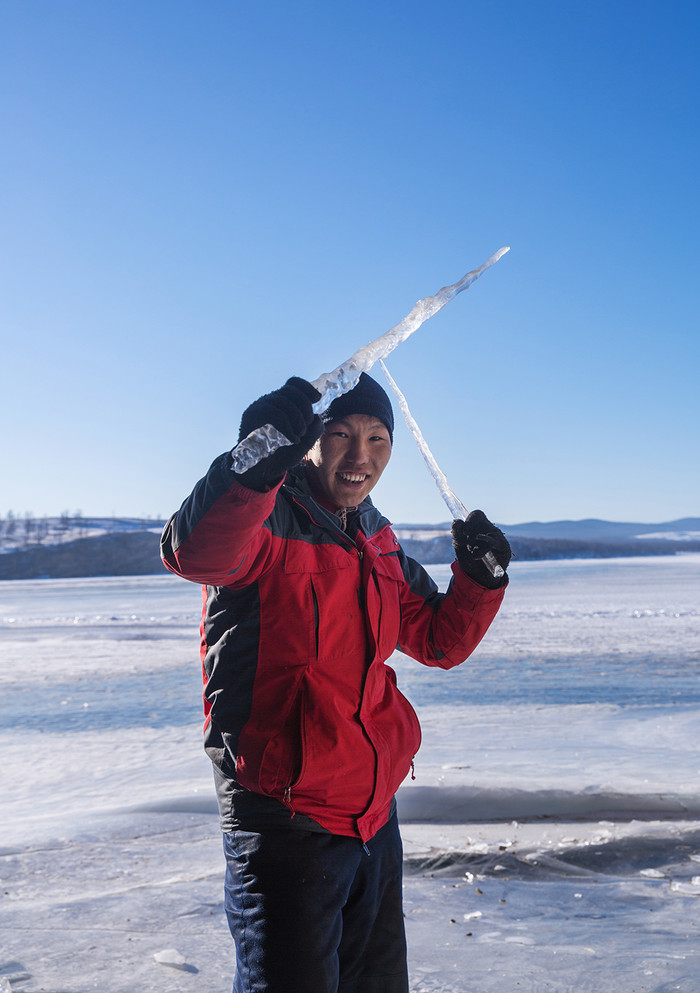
(472, 539)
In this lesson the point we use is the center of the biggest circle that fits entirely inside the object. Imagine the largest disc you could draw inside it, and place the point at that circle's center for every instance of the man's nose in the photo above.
(358, 452)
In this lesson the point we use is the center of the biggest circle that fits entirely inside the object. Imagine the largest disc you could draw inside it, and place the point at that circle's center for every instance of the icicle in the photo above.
(267, 439)
(455, 505)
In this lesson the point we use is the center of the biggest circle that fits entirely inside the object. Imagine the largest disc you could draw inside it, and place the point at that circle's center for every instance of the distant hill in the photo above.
(121, 553)
(591, 529)
(69, 547)
(591, 538)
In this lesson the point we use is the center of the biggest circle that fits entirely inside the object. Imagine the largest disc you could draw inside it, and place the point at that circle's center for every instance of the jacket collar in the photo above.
(369, 518)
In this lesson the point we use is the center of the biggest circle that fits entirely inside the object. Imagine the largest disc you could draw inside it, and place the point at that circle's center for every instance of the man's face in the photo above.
(348, 459)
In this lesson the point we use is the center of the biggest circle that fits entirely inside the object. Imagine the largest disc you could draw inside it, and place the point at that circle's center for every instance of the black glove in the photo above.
(289, 410)
(472, 539)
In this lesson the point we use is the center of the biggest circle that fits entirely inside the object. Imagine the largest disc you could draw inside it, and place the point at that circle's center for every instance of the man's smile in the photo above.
(354, 477)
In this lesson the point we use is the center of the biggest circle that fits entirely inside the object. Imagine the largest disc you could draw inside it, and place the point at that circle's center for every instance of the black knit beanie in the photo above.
(367, 397)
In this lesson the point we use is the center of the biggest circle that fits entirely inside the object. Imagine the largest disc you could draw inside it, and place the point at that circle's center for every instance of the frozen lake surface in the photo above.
(552, 834)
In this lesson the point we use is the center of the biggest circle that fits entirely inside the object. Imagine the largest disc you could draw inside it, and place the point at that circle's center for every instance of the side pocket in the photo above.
(274, 763)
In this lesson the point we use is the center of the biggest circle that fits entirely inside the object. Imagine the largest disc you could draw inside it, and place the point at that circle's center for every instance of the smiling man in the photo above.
(307, 595)
(347, 461)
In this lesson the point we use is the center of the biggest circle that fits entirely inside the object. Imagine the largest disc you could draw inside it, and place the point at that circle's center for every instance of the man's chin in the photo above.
(349, 495)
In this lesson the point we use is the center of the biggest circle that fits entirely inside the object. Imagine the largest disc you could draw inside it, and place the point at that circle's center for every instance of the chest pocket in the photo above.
(313, 604)
(388, 579)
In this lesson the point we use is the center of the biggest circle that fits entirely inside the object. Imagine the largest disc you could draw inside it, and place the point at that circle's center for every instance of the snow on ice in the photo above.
(552, 835)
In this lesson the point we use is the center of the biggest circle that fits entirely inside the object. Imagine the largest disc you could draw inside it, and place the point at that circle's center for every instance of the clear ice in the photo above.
(455, 505)
(267, 439)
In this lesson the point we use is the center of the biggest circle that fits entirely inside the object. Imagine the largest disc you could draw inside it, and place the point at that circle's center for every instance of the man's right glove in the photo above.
(289, 409)
(472, 539)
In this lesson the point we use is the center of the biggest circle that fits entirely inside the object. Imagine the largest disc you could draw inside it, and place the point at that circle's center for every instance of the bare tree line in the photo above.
(26, 529)
(21, 530)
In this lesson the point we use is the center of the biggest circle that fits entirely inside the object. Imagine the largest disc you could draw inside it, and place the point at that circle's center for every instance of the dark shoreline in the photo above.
(136, 553)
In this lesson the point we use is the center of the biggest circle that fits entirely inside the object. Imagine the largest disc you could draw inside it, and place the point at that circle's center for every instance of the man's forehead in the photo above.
(359, 420)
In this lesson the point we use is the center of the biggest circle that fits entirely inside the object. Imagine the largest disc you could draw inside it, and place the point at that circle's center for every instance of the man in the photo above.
(307, 593)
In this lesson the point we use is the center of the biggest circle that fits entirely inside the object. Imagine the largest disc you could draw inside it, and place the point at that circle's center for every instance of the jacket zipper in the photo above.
(346, 543)
(287, 800)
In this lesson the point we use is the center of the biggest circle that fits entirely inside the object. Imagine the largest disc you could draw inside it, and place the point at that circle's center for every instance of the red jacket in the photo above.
(298, 622)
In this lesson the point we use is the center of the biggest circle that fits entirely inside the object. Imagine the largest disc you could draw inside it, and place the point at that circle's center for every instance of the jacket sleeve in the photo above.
(443, 629)
(217, 537)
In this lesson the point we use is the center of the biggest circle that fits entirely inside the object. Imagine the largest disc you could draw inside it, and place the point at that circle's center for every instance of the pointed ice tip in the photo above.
(495, 257)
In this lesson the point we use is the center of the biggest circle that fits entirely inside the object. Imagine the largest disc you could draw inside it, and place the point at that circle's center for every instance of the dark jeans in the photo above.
(315, 913)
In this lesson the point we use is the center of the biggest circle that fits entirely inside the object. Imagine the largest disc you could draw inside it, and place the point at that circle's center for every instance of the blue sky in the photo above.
(200, 199)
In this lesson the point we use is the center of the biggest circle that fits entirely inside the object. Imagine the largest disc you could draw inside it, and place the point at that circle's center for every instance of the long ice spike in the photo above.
(455, 505)
(267, 439)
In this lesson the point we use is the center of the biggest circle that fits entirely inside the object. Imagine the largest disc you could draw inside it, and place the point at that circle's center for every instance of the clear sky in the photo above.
(202, 198)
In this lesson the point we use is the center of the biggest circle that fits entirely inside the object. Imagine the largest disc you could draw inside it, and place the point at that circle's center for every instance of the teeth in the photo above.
(353, 477)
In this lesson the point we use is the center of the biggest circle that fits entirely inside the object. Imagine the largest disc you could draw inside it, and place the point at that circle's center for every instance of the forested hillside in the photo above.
(72, 546)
